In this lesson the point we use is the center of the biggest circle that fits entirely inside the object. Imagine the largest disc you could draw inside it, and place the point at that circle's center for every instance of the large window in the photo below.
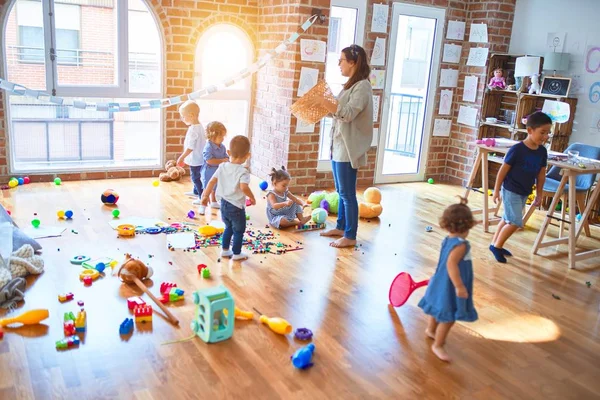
(222, 51)
(105, 51)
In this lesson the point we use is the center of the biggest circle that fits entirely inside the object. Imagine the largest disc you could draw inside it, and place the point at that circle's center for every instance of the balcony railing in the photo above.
(406, 114)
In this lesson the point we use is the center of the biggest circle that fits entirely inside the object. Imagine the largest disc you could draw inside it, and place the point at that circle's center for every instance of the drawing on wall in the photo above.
(451, 53)
(377, 78)
(441, 127)
(302, 127)
(379, 21)
(376, 101)
(449, 78)
(594, 94)
(312, 50)
(577, 84)
(456, 30)
(555, 41)
(308, 79)
(378, 55)
(558, 111)
(445, 102)
(592, 59)
(467, 116)
(470, 88)
(478, 33)
(478, 56)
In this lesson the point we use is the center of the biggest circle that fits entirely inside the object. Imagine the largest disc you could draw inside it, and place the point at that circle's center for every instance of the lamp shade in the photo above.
(556, 61)
(527, 66)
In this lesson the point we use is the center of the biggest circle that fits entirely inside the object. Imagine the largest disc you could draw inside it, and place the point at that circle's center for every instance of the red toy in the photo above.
(143, 313)
(165, 287)
(402, 287)
(201, 267)
(134, 302)
(87, 280)
(69, 328)
(1, 333)
(65, 297)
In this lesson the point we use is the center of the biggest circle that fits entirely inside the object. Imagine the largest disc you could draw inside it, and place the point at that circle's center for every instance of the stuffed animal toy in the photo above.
(535, 84)
(174, 173)
(332, 198)
(370, 207)
(135, 267)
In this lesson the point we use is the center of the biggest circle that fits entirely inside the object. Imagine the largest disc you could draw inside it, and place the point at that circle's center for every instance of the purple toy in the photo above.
(324, 205)
(191, 214)
(303, 334)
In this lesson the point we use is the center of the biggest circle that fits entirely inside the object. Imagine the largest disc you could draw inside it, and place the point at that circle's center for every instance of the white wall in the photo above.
(579, 19)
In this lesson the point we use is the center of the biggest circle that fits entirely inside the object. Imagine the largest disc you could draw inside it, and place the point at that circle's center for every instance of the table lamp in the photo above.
(527, 66)
(556, 62)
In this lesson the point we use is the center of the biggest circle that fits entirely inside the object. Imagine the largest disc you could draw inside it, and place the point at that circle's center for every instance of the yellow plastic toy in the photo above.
(241, 314)
(126, 230)
(89, 272)
(31, 317)
(210, 230)
(277, 325)
(371, 207)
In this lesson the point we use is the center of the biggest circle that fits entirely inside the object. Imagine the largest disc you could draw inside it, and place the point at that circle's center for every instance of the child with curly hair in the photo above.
(214, 154)
(449, 295)
(283, 208)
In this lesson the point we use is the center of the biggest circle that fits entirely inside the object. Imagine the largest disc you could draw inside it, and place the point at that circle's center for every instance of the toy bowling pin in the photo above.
(31, 317)
(302, 357)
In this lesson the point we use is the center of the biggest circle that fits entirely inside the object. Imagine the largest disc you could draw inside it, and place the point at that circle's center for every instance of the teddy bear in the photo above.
(173, 172)
(370, 207)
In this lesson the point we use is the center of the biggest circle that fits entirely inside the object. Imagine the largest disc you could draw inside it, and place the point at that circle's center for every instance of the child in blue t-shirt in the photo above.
(214, 154)
(524, 164)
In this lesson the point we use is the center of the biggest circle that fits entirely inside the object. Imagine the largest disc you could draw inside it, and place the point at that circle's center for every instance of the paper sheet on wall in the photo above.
(479, 33)
(467, 116)
(449, 78)
(445, 102)
(308, 79)
(379, 22)
(441, 127)
(478, 56)
(377, 78)
(183, 240)
(378, 55)
(376, 101)
(43, 231)
(470, 88)
(312, 50)
(555, 41)
(303, 127)
(375, 141)
(591, 61)
(451, 53)
(456, 30)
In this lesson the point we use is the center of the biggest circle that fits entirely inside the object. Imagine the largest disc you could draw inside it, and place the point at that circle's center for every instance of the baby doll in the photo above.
(497, 82)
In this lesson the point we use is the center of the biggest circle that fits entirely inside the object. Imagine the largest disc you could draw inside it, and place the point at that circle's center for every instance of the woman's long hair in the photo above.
(362, 71)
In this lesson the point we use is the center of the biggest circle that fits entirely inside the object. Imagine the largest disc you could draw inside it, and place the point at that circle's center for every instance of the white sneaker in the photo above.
(191, 194)
(201, 210)
(241, 256)
(226, 253)
(196, 202)
(215, 205)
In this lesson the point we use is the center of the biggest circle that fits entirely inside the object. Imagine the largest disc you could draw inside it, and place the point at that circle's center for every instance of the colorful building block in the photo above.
(87, 280)
(68, 342)
(143, 313)
(174, 294)
(80, 321)
(165, 287)
(65, 297)
(126, 326)
(69, 316)
(69, 328)
(205, 273)
(135, 301)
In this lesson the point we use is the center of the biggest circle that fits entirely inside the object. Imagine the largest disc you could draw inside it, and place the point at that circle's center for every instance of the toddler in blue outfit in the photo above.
(449, 295)
(524, 164)
(214, 154)
(283, 208)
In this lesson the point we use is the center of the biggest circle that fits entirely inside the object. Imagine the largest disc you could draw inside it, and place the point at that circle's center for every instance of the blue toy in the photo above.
(126, 326)
(215, 314)
(69, 214)
(21, 181)
(263, 185)
(302, 357)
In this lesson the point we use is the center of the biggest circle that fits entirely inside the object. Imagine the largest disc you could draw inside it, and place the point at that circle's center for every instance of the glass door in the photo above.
(409, 94)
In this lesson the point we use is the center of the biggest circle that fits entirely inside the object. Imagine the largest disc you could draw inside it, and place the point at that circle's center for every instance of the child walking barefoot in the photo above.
(449, 295)
(282, 211)
(214, 154)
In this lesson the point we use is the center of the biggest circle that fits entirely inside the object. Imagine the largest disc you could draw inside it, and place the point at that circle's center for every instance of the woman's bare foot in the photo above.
(304, 220)
(429, 334)
(440, 352)
(343, 242)
(332, 232)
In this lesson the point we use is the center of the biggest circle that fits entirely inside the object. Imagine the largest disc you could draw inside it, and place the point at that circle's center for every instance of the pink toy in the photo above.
(487, 142)
(165, 287)
(497, 81)
(87, 280)
(133, 302)
(402, 287)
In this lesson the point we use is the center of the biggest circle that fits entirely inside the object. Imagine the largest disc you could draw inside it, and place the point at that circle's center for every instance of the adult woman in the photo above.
(352, 133)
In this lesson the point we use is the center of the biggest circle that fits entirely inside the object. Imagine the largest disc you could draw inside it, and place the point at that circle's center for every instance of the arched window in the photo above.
(101, 51)
(222, 51)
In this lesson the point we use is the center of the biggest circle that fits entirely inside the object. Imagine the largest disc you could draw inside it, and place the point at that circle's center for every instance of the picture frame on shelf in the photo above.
(556, 86)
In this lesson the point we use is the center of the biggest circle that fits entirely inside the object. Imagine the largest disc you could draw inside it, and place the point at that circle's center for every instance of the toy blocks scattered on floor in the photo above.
(65, 297)
(80, 321)
(134, 302)
(143, 313)
(68, 342)
(126, 326)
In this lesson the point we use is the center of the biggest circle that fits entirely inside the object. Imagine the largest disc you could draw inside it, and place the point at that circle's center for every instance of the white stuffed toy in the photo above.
(535, 84)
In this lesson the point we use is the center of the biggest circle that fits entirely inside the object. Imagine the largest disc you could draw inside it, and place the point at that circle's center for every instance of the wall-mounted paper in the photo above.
(449, 78)
(308, 79)
(377, 78)
(378, 55)
(467, 116)
(456, 30)
(302, 127)
(312, 50)
(555, 41)
(451, 53)
(375, 140)
(445, 102)
(478, 56)
(470, 88)
(558, 111)
(379, 21)
(376, 101)
(478, 33)
(441, 127)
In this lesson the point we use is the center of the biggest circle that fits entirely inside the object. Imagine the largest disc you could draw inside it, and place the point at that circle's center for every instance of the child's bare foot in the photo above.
(304, 220)
(332, 232)
(429, 334)
(343, 242)
(440, 352)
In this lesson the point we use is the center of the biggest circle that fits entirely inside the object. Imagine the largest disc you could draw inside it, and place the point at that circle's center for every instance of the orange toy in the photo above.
(277, 325)
(31, 317)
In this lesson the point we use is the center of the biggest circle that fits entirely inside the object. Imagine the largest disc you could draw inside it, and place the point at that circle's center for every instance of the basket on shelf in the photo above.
(305, 110)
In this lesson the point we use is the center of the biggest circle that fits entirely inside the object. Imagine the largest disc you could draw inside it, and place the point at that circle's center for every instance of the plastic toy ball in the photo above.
(430, 181)
(60, 214)
(69, 214)
(13, 183)
(109, 197)
(57, 181)
(35, 223)
(21, 181)
(191, 214)
(319, 215)
(247, 217)
(116, 213)
(26, 180)
(100, 267)
(578, 217)
(263, 185)
(155, 183)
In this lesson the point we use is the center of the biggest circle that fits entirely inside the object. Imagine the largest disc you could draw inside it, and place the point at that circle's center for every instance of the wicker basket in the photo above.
(305, 109)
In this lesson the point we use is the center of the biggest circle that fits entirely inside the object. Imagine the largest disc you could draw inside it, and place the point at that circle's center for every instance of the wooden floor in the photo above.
(526, 344)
